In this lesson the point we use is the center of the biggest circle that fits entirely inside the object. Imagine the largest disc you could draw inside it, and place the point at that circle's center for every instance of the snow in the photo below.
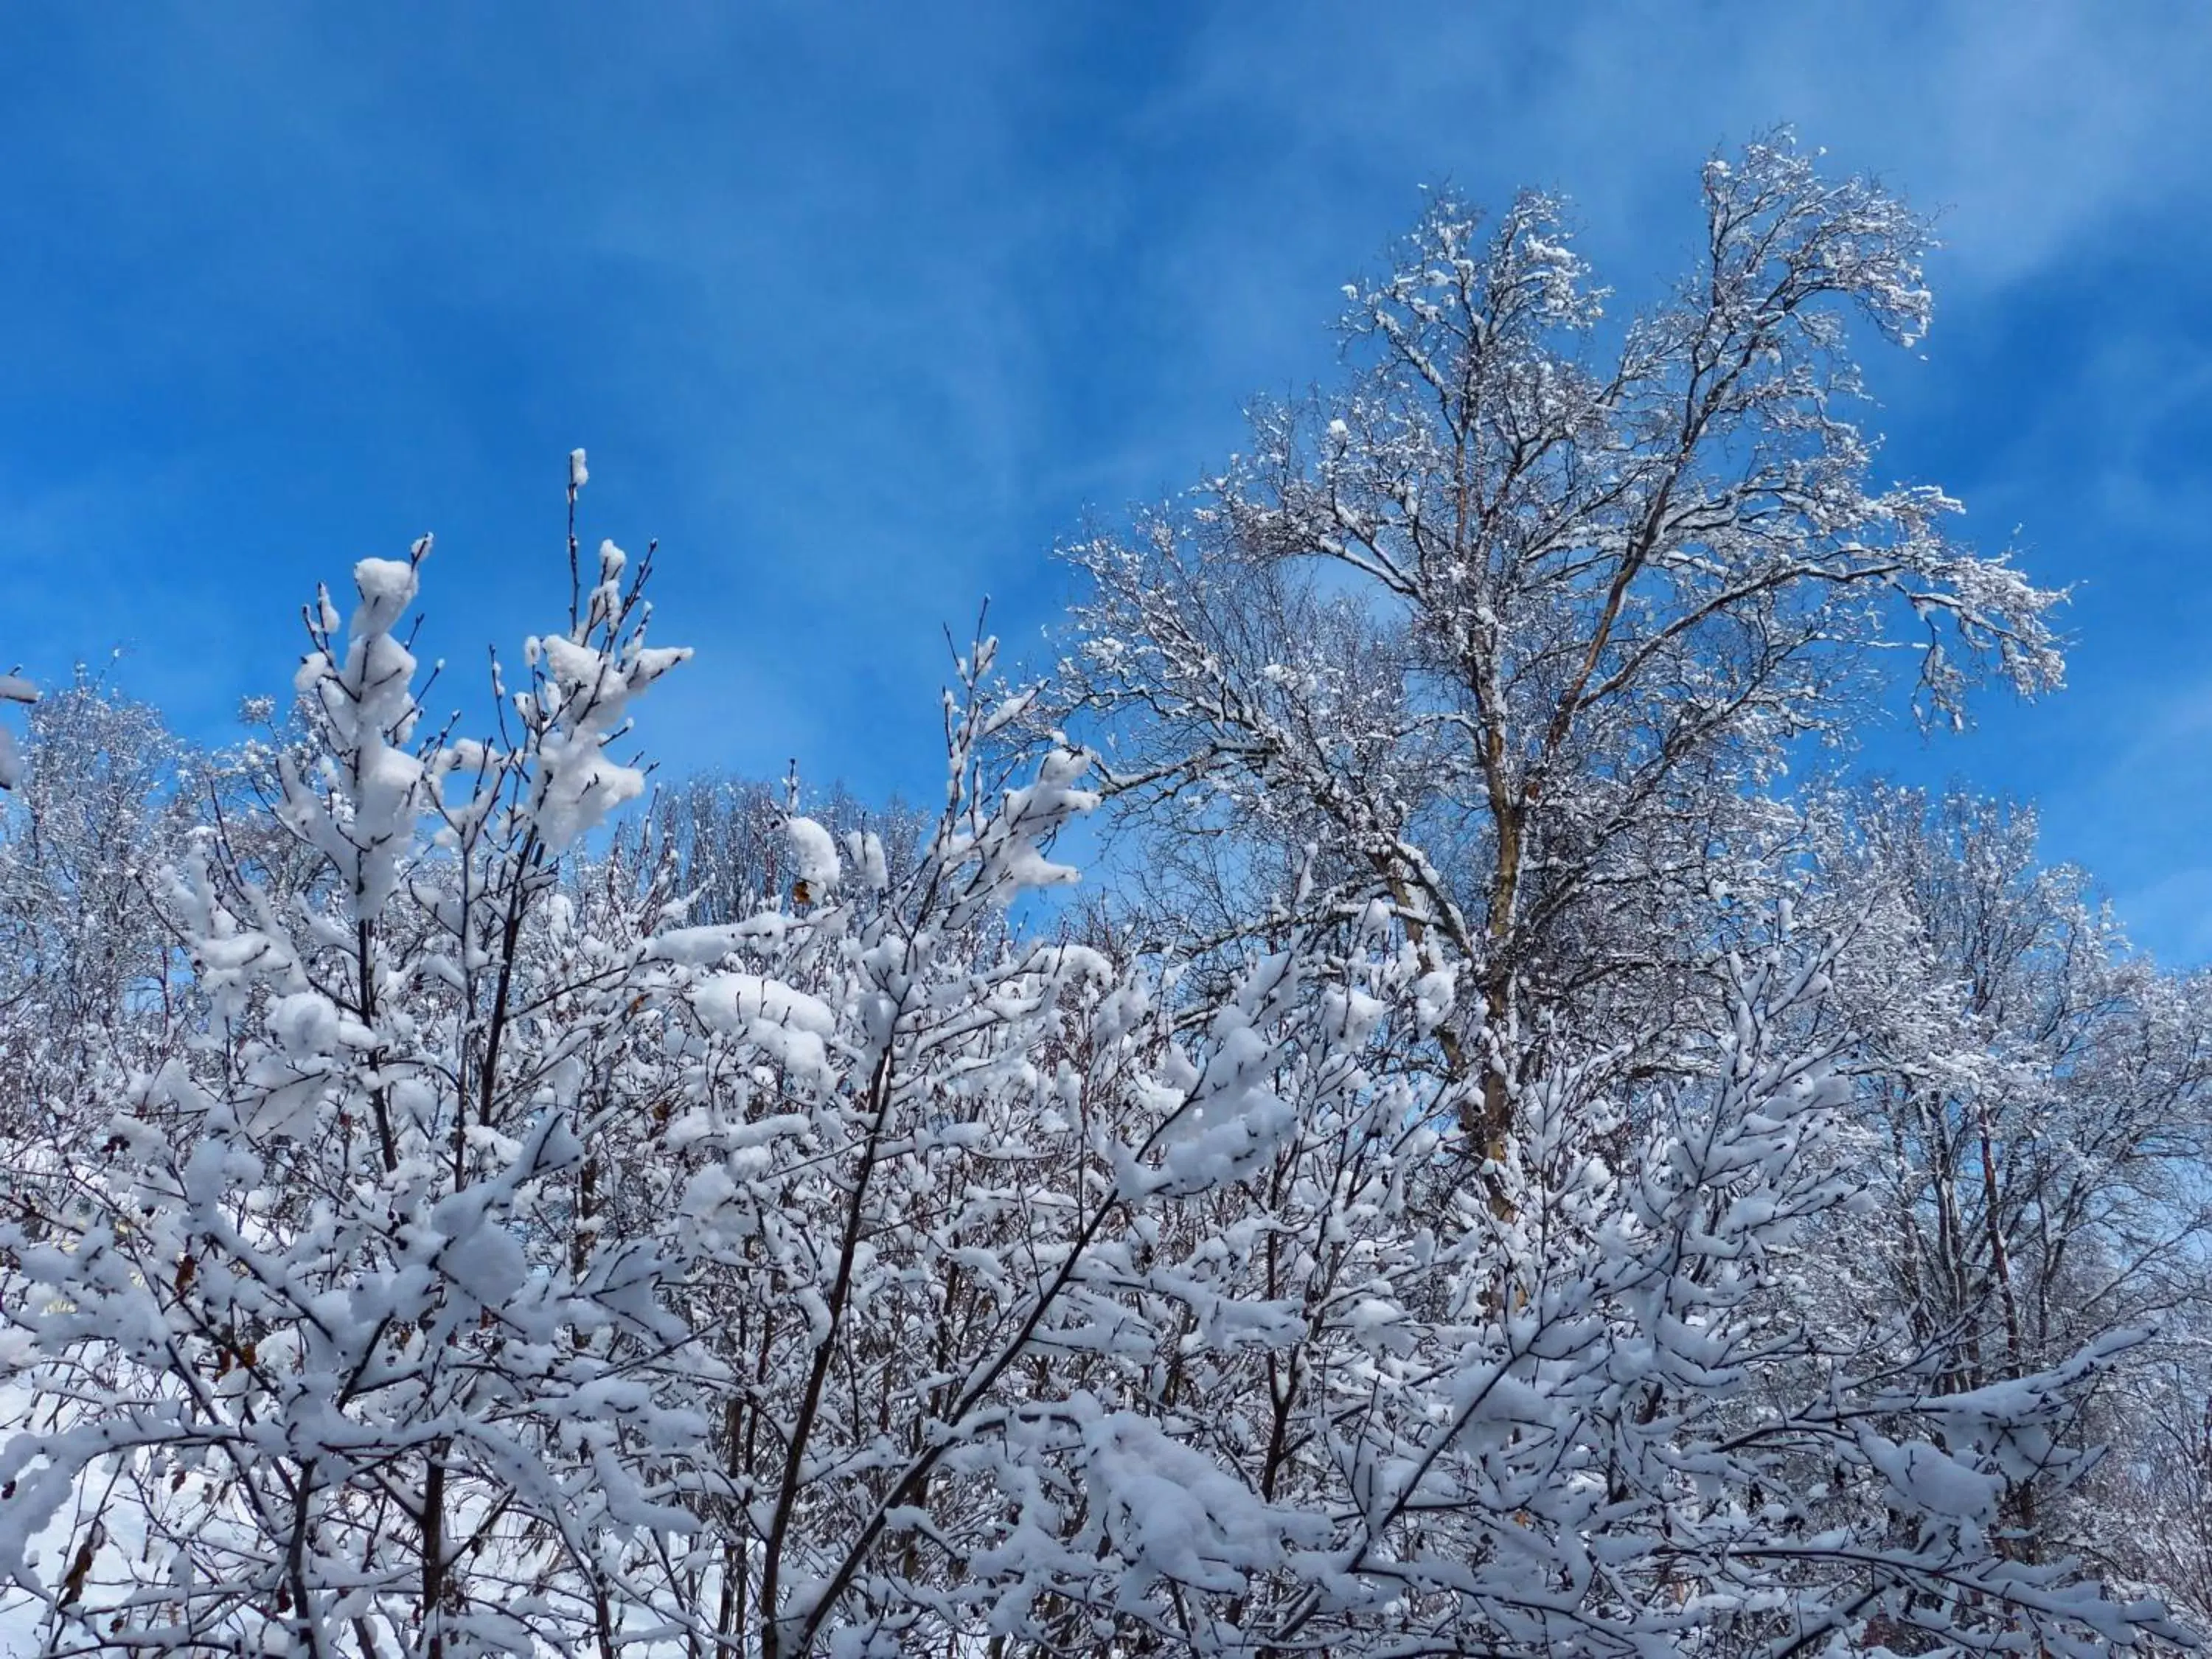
(814, 854)
(790, 1028)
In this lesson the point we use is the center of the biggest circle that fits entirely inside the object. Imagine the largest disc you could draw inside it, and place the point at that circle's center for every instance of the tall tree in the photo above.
(1508, 627)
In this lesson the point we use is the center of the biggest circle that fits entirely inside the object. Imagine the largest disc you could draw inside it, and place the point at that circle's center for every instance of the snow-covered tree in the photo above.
(2037, 1100)
(306, 1362)
(1514, 627)
(86, 977)
(728, 846)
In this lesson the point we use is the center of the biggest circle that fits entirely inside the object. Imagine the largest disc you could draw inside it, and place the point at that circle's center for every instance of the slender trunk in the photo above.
(379, 1098)
(810, 1402)
(295, 1564)
(603, 1620)
(2000, 1255)
(495, 1030)
(587, 1207)
(2021, 1498)
(433, 1590)
(1492, 1128)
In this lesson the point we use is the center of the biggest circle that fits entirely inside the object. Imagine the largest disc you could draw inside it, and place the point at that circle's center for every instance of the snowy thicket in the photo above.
(1496, 1174)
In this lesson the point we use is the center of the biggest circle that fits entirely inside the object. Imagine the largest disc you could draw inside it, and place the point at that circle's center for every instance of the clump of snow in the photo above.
(814, 855)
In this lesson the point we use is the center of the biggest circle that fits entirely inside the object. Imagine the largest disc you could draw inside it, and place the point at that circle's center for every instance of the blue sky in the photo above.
(859, 308)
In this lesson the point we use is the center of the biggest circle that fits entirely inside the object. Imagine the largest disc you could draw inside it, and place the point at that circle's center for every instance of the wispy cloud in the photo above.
(858, 312)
